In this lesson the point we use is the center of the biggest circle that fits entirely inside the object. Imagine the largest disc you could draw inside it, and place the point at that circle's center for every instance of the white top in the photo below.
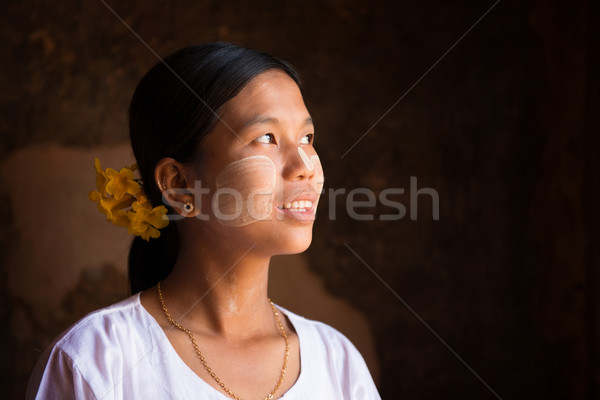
(120, 352)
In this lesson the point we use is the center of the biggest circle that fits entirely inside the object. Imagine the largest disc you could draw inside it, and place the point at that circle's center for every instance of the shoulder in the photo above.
(324, 341)
(330, 362)
(103, 327)
(320, 334)
(86, 355)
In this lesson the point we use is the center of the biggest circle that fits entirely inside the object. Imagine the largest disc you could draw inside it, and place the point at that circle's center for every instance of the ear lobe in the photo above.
(171, 178)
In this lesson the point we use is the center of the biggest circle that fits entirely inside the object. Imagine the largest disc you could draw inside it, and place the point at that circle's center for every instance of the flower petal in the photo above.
(112, 204)
(100, 176)
(121, 182)
(158, 218)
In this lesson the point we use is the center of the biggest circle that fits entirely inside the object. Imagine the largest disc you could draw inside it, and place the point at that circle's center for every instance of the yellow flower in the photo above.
(121, 198)
(145, 220)
(100, 177)
(155, 216)
(121, 218)
(121, 182)
(108, 205)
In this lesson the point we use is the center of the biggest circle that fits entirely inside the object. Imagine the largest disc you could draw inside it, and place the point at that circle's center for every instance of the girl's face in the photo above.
(262, 171)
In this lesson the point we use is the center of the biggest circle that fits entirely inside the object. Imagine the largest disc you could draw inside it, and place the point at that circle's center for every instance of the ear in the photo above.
(176, 183)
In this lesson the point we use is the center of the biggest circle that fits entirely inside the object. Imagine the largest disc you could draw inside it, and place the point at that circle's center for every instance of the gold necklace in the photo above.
(203, 360)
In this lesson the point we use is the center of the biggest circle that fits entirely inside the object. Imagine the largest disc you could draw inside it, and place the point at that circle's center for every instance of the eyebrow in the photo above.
(265, 119)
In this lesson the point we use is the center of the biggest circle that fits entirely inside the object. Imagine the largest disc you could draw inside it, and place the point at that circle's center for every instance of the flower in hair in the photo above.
(122, 182)
(146, 221)
(121, 198)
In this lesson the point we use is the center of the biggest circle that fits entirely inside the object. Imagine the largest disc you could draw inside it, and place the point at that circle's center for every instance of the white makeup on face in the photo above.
(319, 178)
(307, 161)
(244, 191)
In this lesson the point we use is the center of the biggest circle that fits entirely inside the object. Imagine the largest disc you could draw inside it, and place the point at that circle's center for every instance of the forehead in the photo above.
(272, 93)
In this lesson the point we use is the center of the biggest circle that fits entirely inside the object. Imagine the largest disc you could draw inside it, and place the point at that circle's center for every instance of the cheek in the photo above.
(244, 191)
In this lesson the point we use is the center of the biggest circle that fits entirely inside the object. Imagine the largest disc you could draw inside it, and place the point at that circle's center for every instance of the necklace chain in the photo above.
(203, 360)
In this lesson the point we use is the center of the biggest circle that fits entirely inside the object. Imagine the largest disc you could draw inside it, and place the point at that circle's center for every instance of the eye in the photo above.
(267, 138)
(308, 139)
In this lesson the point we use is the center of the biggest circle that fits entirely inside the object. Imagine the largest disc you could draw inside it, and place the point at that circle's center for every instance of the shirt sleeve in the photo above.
(358, 383)
(354, 381)
(56, 376)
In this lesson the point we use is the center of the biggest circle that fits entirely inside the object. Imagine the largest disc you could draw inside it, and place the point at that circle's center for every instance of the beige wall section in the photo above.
(60, 234)
(67, 260)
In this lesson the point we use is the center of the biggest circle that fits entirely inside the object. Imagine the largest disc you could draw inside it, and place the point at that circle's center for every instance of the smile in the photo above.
(299, 206)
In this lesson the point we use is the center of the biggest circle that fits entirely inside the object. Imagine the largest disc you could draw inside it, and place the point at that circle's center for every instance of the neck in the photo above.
(220, 295)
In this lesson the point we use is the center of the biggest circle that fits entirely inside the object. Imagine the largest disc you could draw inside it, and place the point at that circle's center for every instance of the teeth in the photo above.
(298, 205)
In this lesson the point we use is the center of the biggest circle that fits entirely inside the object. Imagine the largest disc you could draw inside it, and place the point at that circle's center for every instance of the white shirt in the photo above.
(120, 352)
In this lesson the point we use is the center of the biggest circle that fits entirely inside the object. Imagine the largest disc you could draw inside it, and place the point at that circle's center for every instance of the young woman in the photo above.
(223, 138)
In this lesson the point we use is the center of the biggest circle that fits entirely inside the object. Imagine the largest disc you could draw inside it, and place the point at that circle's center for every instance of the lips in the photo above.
(305, 198)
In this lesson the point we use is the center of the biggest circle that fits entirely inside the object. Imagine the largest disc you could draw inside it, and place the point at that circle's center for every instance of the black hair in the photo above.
(174, 107)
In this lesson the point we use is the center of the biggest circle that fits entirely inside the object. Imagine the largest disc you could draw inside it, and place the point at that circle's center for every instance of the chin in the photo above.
(293, 244)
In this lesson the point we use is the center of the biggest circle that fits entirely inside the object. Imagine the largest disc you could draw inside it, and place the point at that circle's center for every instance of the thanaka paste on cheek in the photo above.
(245, 191)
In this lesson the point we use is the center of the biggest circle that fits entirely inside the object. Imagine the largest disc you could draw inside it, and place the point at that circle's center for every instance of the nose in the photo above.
(299, 165)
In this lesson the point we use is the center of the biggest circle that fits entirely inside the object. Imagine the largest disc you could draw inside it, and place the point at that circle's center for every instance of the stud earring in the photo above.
(188, 207)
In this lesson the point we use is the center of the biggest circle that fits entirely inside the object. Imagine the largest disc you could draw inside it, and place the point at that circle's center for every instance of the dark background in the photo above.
(504, 128)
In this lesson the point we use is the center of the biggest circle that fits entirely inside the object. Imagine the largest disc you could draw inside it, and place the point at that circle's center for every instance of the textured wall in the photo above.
(504, 128)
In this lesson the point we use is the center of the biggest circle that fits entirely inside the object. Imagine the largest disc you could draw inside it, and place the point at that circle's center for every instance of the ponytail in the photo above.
(152, 261)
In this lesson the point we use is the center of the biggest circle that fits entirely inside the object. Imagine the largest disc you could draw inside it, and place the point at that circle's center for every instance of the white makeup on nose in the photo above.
(319, 178)
(245, 191)
(311, 163)
(307, 161)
